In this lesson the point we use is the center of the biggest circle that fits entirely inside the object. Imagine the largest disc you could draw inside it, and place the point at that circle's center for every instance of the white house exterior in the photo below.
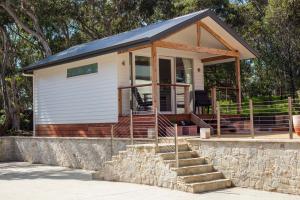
(87, 104)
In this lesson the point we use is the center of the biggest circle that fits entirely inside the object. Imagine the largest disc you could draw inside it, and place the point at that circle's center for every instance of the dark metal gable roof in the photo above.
(136, 37)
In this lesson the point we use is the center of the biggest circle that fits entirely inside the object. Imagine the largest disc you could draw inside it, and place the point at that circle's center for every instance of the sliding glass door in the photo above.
(165, 78)
(184, 75)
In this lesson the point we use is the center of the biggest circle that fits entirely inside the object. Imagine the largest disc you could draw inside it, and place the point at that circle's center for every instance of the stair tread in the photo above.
(187, 159)
(194, 166)
(178, 152)
(202, 174)
(208, 182)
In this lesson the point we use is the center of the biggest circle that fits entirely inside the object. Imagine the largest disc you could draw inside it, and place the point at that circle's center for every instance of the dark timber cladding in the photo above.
(74, 130)
(132, 39)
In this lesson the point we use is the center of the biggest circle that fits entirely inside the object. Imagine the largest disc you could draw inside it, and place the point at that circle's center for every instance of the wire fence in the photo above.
(269, 119)
(145, 128)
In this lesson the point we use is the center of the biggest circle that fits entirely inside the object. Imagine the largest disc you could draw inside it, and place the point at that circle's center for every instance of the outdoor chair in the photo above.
(143, 104)
(202, 100)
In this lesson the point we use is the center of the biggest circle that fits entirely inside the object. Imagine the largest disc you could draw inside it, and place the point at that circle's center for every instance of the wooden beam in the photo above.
(238, 83)
(134, 48)
(198, 34)
(215, 58)
(154, 76)
(186, 100)
(185, 47)
(214, 99)
(217, 36)
(120, 102)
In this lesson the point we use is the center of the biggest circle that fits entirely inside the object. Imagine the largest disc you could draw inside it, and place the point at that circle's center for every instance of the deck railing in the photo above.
(261, 119)
(139, 98)
(149, 128)
(224, 94)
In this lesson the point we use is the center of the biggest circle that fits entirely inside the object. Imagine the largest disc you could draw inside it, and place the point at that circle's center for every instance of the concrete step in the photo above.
(181, 155)
(209, 185)
(201, 177)
(186, 162)
(165, 148)
(191, 170)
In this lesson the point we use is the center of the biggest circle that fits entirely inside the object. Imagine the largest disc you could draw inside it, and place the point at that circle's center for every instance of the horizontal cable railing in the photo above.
(256, 118)
(145, 128)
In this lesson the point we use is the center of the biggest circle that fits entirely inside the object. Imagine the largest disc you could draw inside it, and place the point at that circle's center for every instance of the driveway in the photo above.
(23, 181)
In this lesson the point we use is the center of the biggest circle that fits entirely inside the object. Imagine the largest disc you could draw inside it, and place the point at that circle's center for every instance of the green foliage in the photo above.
(2, 117)
(271, 27)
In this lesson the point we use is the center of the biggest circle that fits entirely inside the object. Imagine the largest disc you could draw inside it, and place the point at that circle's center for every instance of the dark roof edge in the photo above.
(144, 41)
(233, 33)
(89, 54)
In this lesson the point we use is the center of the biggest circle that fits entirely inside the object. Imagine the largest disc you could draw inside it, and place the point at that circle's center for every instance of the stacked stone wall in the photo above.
(271, 165)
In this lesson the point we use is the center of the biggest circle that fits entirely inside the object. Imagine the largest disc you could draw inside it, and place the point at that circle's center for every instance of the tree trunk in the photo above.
(37, 32)
(6, 107)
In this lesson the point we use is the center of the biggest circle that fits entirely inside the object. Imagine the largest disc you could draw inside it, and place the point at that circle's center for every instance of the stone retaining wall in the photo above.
(271, 165)
(84, 153)
(7, 149)
(139, 164)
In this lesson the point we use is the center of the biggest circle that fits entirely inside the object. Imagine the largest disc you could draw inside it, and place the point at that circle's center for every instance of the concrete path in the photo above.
(22, 181)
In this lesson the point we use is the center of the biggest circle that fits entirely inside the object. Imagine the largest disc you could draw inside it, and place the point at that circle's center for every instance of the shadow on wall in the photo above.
(81, 153)
(18, 171)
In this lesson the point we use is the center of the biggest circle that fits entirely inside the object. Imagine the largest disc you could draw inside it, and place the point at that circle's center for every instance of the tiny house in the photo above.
(85, 89)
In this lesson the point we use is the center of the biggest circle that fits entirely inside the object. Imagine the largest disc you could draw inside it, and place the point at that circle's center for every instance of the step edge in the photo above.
(208, 182)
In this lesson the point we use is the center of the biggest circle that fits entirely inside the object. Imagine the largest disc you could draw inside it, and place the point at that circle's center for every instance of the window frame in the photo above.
(68, 75)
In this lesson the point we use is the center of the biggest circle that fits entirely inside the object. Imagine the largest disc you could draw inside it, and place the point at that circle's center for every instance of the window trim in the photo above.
(82, 66)
(134, 66)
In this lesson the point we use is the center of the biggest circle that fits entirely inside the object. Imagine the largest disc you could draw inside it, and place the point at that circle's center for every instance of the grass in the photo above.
(261, 106)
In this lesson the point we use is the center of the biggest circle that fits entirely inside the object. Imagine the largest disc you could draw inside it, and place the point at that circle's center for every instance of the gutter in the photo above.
(27, 75)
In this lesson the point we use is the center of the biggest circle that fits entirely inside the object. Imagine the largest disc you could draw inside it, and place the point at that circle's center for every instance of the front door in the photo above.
(165, 79)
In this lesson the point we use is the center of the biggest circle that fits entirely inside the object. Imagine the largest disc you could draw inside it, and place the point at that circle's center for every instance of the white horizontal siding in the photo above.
(198, 75)
(88, 98)
(124, 80)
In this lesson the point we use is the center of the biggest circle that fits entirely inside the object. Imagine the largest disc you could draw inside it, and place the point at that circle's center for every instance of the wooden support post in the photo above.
(186, 99)
(156, 128)
(154, 76)
(251, 118)
(218, 120)
(131, 127)
(198, 26)
(111, 140)
(290, 107)
(238, 83)
(214, 99)
(176, 146)
(120, 106)
(131, 80)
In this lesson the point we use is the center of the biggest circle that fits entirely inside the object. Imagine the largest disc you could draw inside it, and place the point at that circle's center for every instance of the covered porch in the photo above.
(167, 74)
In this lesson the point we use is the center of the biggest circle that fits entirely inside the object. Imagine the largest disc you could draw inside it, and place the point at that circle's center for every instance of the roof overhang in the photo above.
(208, 16)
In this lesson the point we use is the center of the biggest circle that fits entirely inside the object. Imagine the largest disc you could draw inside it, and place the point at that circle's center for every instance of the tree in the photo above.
(28, 12)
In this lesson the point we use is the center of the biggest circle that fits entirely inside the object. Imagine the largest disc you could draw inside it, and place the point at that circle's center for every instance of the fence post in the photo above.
(214, 99)
(131, 127)
(218, 120)
(176, 147)
(186, 100)
(120, 98)
(290, 107)
(156, 128)
(111, 140)
(251, 118)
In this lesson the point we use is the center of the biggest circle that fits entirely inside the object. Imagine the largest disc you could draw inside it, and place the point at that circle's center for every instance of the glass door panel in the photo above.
(165, 77)
(184, 74)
